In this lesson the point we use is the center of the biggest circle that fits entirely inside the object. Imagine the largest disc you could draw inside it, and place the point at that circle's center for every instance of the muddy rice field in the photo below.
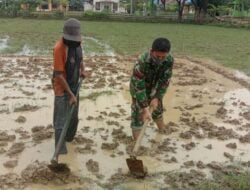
(207, 110)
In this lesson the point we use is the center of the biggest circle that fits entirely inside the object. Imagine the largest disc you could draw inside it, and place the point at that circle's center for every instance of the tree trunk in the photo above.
(49, 5)
(181, 4)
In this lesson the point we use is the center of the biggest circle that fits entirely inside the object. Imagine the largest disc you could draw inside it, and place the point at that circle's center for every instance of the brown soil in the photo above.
(10, 164)
(16, 149)
(21, 119)
(109, 146)
(92, 166)
(38, 172)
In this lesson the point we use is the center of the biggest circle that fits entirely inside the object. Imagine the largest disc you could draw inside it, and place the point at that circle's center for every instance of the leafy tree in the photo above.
(200, 9)
(76, 5)
(32, 4)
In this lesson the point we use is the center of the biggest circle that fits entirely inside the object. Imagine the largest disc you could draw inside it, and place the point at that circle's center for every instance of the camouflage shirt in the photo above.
(150, 80)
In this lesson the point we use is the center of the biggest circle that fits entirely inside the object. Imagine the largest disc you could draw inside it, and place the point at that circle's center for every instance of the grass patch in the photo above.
(228, 46)
(228, 182)
(94, 95)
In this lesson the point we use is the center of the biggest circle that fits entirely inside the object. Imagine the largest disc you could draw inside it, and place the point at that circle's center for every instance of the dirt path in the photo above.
(207, 111)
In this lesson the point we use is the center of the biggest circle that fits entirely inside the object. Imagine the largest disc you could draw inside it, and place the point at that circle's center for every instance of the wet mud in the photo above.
(206, 114)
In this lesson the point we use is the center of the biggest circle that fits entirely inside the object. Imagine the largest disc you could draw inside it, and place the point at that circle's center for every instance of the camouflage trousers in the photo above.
(136, 122)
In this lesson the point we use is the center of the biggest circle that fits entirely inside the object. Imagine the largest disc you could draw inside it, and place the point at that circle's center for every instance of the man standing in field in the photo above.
(148, 85)
(68, 68)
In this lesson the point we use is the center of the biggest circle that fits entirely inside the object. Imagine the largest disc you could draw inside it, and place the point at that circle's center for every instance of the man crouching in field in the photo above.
(148, 85)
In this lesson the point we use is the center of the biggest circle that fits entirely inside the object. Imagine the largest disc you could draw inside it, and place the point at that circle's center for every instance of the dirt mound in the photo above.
(79, 139)
(16, 149)
(5, 137)
(40, 133)
(10, 164)
(38, 172)
(21, 119)
(87, 149)
(11, 181)
(92, 166)
(109, 146)
(185, 180)
(26, 107)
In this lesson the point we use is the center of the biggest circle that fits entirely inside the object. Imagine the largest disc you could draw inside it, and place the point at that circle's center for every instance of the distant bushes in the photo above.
(95, 15)
(107, 16)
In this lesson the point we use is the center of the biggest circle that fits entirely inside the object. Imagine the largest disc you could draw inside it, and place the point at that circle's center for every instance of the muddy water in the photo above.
(195, 94)
(3, 42)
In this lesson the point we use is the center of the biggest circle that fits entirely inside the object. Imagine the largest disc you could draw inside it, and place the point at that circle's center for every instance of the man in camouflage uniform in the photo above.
(148, 85)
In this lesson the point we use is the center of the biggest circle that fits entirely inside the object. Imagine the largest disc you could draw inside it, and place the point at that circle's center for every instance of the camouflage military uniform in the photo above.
(147, 82)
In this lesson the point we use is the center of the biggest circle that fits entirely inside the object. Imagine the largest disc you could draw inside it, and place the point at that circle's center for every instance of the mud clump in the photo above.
(37, 129)
(231, 145)
(193, 82)
(40, 133)
(185, 180)
(85, 150)
(200, 165)
(117, 178)
(171, 160)
(233, 122)
(115, 115)
(229, 156)
(171, 127)
(189, 164)
(16, 149)
(10, 164)
(2, 150)
(121, 136)
(189, 146)
(245, 138)
(21, 119)
(26, 107)
(109, 146)
(205, 125)
(209, 146)
(167, 130)
(90, 118)
(222, 133)
(186, 135)
(214, 165)
(11, 181)
(38, 172)
(221, 113)
(246, 115)
(165, 146)
(3, 143)
(5, 137)
(116, 123)
(82, 140)
(193, 107)
(23, 134)
(92, 166)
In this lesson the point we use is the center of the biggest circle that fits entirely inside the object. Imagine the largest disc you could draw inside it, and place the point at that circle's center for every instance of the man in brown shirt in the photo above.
(67, 69)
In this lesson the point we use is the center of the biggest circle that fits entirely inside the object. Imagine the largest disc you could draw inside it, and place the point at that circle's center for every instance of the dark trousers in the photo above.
(61, 114)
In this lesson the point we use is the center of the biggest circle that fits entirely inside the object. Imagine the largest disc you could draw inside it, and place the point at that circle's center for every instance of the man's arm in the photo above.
(139, 90)
(138, 85)
(82, 69)
(65, 85)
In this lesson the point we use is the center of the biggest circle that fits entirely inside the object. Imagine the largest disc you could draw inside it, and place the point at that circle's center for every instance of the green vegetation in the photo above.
(229, 182)
(228, 46)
